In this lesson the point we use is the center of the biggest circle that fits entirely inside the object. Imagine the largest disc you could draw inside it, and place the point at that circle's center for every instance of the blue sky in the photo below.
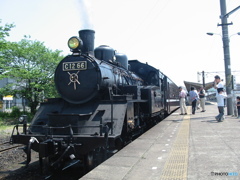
(168, 34)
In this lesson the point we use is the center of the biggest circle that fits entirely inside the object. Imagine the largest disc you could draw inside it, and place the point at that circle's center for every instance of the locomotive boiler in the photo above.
(106, 101)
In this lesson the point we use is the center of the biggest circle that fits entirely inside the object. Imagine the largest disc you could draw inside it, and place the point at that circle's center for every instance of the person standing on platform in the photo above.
(221, 96)
(182, 97)
(220, 102)
(218, 83)
(238, 106)
(198, 101)
(193, 97)
(202, 99)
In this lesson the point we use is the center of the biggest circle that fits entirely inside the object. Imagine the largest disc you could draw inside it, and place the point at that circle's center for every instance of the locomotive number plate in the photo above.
(75, 66)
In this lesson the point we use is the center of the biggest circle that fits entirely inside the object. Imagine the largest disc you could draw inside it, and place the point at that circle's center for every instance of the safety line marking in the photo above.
(176, 165)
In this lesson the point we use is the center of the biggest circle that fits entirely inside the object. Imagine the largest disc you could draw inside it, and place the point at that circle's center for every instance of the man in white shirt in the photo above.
(218, 83)
(202, 98)
(182, 96)
(193, 97)
(221, 96)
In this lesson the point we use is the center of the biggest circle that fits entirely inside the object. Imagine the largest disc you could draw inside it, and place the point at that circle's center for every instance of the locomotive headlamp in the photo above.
(23, 119)
(74, 43)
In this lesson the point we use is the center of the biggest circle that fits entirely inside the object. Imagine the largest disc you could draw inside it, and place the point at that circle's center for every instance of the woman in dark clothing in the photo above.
(193, 97)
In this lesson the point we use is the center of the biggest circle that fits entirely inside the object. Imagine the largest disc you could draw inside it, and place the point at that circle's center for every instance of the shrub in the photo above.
(15, 112)
(4, 114)
(7, 118)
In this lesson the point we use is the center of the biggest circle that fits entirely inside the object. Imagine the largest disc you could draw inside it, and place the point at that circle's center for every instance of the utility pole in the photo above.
(203, 79)
(226, 52)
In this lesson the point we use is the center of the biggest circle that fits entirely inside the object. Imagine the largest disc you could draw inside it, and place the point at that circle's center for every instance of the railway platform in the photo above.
(193, 147)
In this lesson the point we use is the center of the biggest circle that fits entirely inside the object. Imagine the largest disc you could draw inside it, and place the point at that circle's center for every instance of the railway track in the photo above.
(4, 143)
(6, 146)
(12, 163)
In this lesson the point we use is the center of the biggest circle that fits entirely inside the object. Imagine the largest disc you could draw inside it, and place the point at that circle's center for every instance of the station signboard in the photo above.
(8, 98)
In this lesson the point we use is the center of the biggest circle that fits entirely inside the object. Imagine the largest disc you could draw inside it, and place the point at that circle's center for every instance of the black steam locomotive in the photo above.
(106, 101)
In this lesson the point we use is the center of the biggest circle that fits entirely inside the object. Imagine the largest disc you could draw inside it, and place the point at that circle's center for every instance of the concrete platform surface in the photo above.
(194, 147)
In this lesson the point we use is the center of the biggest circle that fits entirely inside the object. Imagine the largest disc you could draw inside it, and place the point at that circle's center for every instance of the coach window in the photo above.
(162, 86)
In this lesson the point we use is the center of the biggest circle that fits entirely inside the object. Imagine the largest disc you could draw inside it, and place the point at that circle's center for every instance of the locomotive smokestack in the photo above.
(87, 36)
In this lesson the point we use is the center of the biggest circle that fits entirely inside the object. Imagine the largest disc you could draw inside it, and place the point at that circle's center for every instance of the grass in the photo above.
(6, 130)
(6, 125)
(6, 121)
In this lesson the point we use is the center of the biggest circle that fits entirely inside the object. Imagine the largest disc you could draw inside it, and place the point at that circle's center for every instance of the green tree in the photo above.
(4, 32)
(31, 65)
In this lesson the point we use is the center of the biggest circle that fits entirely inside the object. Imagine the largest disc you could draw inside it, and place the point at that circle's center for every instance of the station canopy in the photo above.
(197, 85)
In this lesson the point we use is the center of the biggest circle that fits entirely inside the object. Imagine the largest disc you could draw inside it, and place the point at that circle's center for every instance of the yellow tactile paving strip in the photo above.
(176, 165)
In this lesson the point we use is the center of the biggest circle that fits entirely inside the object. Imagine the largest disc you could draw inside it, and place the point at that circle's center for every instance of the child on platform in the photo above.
(220, 102)
(238, 106)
